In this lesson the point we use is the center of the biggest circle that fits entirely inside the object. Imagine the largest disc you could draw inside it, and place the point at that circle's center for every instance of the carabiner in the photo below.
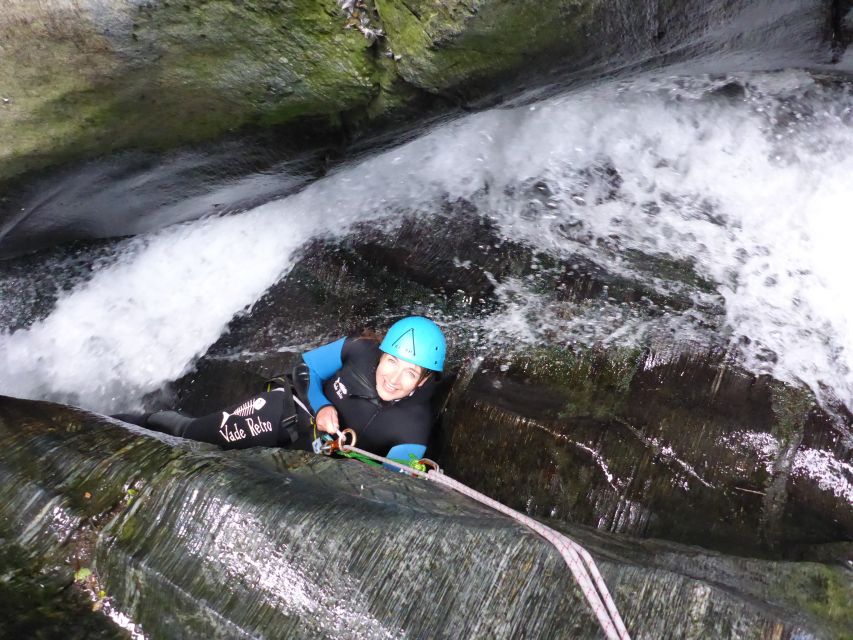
(328, 444)
(429, 464)
(322, 444)
(342, 439)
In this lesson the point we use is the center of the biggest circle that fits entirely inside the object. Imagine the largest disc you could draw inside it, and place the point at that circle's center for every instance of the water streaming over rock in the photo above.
(728, 193)
(639, 277)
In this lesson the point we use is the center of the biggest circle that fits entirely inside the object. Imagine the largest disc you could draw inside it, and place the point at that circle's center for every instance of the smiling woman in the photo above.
(396, 379)
(382, 391)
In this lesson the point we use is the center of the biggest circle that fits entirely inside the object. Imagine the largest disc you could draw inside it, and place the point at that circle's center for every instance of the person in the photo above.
(380, 390)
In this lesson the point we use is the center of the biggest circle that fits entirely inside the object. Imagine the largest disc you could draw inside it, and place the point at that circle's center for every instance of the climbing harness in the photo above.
(577, 558)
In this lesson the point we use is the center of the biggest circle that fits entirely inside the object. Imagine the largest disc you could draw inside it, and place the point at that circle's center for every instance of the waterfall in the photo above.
(745, 177)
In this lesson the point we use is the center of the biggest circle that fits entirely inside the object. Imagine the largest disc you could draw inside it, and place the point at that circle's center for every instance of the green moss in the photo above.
(824, 591)
(180, 73)
(127, 530)
(448, 45)
(791, 406)
(394, 95)
(594, 383)
(41, 67)
(38, 603)
(669, 269)
(167, 74)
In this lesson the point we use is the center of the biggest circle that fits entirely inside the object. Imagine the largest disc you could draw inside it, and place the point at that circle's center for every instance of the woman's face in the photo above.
(396, 379)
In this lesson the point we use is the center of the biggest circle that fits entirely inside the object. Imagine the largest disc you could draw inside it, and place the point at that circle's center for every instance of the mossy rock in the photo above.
(38, 602)
(232, 544)
(84, 79)
(457, 47)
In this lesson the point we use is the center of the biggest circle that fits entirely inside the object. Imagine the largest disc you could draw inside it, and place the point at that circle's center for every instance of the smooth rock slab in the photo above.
(191, 541)
(687, 449)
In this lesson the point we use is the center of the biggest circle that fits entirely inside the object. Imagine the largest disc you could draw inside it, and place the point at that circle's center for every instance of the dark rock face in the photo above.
(671, 442)
(842, 28)
(38, 603)
(271, 543)
(141, 191)
(689, 450)
(464, 49)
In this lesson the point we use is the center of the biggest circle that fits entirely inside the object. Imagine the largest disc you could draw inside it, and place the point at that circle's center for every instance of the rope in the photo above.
(577, 558)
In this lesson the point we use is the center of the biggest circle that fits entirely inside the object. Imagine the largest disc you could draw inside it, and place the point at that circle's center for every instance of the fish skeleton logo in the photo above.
(340, 389)
(245, 409)
(232, 431)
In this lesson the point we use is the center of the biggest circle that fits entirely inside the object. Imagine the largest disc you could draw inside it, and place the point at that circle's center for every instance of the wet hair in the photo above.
(368, 333)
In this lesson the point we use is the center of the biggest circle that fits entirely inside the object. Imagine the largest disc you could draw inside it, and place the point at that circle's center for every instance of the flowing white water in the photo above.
(753, 187)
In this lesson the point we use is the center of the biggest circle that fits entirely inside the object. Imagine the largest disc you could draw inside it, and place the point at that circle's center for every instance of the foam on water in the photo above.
(752, 186)
(746, 178)
(142, 320)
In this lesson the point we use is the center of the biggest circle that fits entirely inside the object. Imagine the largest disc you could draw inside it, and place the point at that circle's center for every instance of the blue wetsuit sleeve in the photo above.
(405, 454)
(322, 363)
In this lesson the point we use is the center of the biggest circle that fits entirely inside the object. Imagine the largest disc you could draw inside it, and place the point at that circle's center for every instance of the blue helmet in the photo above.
(417, 340)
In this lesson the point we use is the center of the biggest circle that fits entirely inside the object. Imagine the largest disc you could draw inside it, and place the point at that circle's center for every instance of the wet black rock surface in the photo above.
(672, 442)
(181, 539)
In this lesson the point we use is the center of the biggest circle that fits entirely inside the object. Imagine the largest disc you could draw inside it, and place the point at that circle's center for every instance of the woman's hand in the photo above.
(327, 420)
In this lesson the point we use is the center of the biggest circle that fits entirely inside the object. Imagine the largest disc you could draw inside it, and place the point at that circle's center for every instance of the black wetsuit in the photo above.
(342, 373)
(380, 426)
(270, 419)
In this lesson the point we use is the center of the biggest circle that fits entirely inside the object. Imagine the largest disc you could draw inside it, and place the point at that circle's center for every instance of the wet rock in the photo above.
(35, 281)
(39, 602)
(105, 97)
(688, 449)
(466, 49)
(94, 77)
(731, 90)
(449, 267)
(670, 442)
(216, 383)
(842, 19)
(271, 543)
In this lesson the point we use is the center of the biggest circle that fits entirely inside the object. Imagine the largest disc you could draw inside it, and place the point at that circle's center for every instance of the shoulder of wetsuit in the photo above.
(360, 357)
(360, 379)
(358, 347)
(301, 378)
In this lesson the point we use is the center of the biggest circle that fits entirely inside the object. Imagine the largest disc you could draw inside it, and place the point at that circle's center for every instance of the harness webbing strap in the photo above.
(302, 405)
(577, 558)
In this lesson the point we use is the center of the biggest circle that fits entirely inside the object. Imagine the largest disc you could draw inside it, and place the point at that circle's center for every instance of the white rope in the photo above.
(577, 558)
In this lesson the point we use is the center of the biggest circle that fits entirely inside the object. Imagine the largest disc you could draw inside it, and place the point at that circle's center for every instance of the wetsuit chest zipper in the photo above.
(372, 418)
